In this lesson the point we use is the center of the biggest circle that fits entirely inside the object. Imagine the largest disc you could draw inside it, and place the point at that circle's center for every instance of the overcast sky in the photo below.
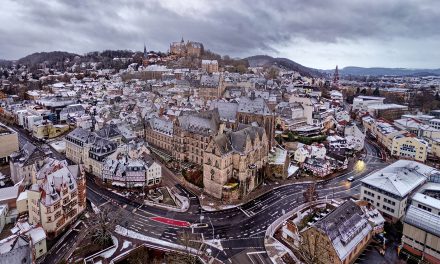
(315, 33)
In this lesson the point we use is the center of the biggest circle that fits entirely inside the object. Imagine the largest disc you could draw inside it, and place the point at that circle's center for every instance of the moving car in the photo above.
(350, 179)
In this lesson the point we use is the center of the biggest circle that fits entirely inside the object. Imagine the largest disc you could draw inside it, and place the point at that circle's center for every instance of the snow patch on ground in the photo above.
(107, 254)
(126, 244)
(219, 207)
(95, 208)
(214, 243)
(128, 233)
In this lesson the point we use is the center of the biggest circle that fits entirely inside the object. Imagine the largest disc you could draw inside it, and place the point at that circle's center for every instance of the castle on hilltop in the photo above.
(190, 48)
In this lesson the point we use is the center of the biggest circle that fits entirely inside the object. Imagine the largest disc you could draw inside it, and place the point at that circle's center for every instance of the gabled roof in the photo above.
(236, 141)
(253, 106)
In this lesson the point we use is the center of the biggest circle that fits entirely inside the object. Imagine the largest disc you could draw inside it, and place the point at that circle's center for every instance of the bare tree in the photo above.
(104, 223)
(192, 246)
(314, 248)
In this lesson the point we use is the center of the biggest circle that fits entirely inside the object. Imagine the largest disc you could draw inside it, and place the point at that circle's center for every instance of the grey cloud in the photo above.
(237, 27)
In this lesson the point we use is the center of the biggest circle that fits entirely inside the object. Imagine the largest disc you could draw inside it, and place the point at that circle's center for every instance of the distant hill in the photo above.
(377, 71)
(268, 61)
(52, 57)
(5, 63)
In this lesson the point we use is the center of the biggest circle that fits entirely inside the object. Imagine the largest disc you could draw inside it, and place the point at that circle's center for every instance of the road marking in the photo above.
(244, 212)
(256, 252)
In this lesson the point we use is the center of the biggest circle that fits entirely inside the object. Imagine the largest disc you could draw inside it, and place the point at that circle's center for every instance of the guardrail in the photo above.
(270, 231)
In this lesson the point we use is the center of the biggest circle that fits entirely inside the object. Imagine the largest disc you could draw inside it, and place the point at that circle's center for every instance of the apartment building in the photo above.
(210, 66)
(123, 171)
(399, 143)
(8, 143)
(234, 162)
(408, 146)
(85, 147)
(23, 163)
(57, 197)
(389, 189)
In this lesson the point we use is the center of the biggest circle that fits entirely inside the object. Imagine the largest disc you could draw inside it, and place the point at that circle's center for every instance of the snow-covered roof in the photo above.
(401, 177)
(9, 192)
(37, 234)
(423, 219)
(22, 196)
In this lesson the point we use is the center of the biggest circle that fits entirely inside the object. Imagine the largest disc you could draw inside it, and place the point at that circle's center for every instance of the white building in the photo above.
(362, 102)
(389, 188)
(354, 136)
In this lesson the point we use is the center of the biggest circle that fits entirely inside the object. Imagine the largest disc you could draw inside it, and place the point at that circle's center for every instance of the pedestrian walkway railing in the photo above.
(270, 231)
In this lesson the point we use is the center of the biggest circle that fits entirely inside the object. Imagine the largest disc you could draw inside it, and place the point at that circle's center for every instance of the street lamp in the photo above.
(360, 166)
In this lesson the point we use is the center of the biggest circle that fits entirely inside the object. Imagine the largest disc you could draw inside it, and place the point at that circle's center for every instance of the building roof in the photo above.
(401, 177)
(161, 125)
(236, 141)
(206, 123)
(255, 105)
(226, 110)
(53, 176)
(423, 219)
(9, 193)
(345, 226)
(37, 234)
(386, 106)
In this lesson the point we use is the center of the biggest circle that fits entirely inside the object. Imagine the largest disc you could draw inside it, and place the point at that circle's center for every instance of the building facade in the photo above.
(57, 197)
(410, 147)
(159, 133)
(192, 133)
(338, 237)
(123, 171)
(234, 163)
(390, 188)
(8, 143)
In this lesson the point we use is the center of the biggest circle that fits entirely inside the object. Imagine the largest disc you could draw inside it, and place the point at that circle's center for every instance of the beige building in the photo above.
(38, 238)
(159, 133)
(421, 234)
(23, 163)
(211, 86)
(47, 130)
(210, 66)
(410, 147)
(85, 147)
(8, 143)
(234, 163)
(57, 197)
(192, 133)
(400, 143)
(190, 48)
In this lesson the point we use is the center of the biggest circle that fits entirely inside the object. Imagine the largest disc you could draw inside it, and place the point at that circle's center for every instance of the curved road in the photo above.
(241, 229)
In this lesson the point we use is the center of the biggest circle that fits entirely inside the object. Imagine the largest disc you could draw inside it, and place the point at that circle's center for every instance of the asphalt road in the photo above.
(240, 230)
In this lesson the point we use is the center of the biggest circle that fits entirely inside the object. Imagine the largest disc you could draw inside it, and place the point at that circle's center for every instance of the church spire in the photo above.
(145, 50)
